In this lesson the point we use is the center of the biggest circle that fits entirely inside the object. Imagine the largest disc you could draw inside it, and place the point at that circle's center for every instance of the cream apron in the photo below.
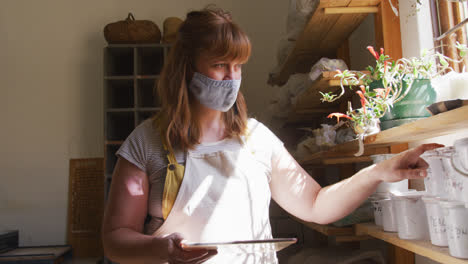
(224, 196)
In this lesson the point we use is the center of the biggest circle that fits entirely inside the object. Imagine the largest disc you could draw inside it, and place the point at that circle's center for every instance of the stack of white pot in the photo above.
(384, 206)
(441, 212)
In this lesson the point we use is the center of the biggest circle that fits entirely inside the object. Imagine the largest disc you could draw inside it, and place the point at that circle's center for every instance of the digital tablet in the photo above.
(276, 244)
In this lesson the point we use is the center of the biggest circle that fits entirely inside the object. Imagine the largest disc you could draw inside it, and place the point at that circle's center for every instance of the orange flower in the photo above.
(372, 51)
(387, 92)
(381, 51)
(380, 92)
(363, 98)
(363, 89)
(338, 115)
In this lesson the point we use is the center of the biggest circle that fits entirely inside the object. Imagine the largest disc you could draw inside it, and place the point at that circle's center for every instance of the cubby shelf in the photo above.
(130, 95)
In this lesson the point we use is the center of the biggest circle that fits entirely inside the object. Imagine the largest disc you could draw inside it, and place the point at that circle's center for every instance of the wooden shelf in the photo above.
(336, 156)
(148, 109)
(434, 126)
(336, 25)
(423, 248)
(151, 77)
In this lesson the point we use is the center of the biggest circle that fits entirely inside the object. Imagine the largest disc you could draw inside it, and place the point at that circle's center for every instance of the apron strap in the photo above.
(174, 175)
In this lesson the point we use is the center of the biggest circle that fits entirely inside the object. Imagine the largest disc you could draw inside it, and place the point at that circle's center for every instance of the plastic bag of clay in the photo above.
(344, 135)
(326, 64)
(298, 16)
(325, 136)
(297, 83)
(451, 86)
(280, 104)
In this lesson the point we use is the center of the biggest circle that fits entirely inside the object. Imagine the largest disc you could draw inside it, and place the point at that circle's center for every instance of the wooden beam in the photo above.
(461, 33)
(387, 30)
(351, 10)
(446, 23)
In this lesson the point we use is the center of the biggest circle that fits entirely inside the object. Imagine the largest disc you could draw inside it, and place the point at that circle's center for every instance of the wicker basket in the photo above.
(85, 207)
(131, 31)
(170, 27)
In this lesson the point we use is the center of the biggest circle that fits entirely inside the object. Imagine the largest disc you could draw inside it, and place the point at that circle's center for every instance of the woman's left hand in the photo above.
(406, 165)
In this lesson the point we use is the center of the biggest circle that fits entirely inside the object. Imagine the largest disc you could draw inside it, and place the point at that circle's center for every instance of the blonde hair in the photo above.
(210, 30)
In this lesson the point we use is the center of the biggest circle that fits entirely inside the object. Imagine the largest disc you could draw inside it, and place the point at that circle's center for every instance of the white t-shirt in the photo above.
(144, 149)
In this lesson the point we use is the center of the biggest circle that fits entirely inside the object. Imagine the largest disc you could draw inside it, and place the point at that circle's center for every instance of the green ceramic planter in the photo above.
(415, 102)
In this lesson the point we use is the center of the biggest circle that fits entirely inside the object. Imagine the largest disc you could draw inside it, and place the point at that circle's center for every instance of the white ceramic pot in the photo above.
(456, 217)
(457, 183)
(436, 221)
(375, 200)
(377, 212)
(437, 180)
(460, 156)
(411, 215)
(401, 186)
(389, 218)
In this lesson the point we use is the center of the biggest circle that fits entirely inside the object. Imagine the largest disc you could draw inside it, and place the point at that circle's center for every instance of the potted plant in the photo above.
(392, 90)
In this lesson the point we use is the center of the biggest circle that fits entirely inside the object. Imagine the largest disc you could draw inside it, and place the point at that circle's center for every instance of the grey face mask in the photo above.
(214, 94)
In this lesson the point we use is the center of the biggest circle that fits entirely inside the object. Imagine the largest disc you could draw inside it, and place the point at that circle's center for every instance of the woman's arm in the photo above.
(299, 194)
(122, 230)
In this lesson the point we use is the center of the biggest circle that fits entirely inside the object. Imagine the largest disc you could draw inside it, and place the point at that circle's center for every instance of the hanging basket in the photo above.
(131, 31)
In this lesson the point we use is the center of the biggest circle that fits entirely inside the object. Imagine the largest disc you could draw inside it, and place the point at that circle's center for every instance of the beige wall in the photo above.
(51, 94)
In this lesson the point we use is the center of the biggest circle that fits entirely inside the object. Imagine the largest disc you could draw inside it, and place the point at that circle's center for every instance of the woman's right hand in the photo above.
(176, 254)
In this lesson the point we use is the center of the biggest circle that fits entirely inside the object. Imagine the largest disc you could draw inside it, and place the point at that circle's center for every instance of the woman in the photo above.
(231, 166)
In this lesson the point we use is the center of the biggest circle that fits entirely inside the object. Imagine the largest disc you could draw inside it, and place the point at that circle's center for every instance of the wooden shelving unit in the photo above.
(394, 139)
(325, 35)
(337, 20)
(423, 248)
